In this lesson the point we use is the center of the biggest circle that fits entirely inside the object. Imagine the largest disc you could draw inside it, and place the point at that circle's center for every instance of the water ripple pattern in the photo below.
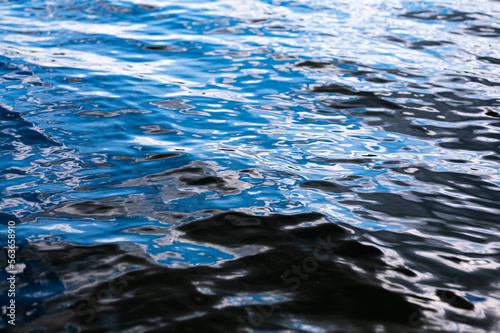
(251, 166)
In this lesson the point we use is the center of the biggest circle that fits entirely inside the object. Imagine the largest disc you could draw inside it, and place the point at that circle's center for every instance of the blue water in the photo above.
(200, 149)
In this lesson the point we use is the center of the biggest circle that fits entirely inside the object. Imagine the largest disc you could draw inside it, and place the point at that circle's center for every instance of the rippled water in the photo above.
(252, 166)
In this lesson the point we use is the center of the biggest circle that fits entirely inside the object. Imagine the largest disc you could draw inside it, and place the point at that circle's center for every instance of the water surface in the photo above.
(252, 166)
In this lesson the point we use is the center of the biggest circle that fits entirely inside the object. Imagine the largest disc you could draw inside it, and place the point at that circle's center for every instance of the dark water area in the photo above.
(251, 166)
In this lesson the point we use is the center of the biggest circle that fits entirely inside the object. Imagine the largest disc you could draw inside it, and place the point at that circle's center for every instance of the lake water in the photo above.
(251, 166)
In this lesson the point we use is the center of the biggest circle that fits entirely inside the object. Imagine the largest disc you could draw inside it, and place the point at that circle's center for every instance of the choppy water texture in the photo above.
(252, 166)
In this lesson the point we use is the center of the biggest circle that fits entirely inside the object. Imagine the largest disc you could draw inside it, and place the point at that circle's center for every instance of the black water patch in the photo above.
(425, 44)
(162, 156)
(490, 60)
(208, 180)
(276, 27)
(362, 103)
(378, 80)
(492, 113)
(342, 160)
(237, 229)
(310, 234)
(225, 183)
(6, 115)
(366, 99)
(164, 48)
(87, 208)
(313, 64)
(483, 31)
(454, 300)
(353, 69)
(149, 8)
(405, 271)
(416, 45)
(358, 250)
(325, 186)
(337, 66)
(340, 90)
(451, 16)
